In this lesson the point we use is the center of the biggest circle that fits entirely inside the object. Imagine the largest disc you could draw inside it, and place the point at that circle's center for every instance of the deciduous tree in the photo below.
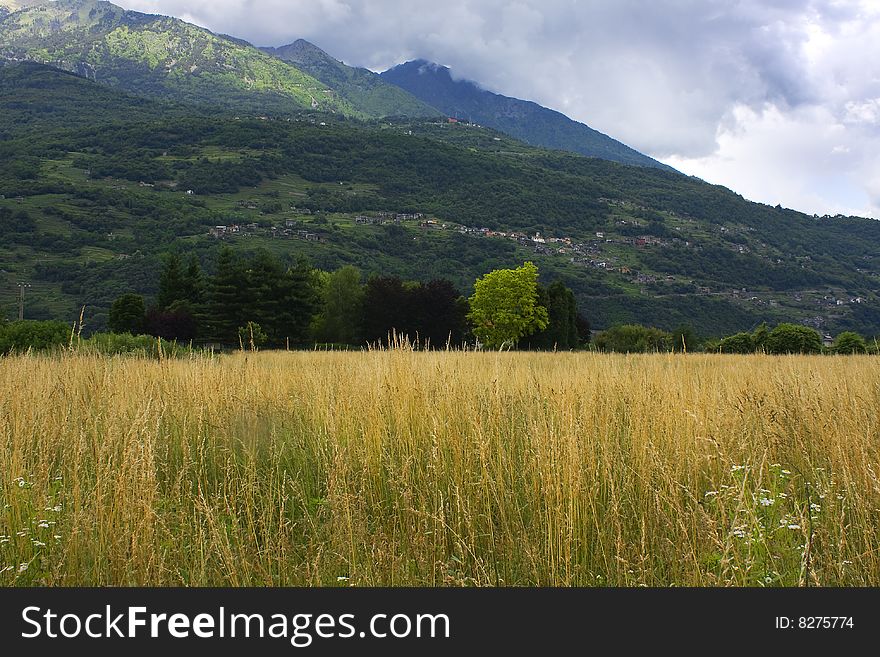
(504, 306)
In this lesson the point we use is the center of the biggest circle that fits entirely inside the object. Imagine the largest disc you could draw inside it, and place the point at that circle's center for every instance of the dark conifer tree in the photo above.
(227, 298)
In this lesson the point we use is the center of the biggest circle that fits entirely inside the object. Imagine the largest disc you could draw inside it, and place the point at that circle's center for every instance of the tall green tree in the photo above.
(193, 285)
(504, 306)
(171, 282)
(562, 324)
(342, 299)
(127, 314)
(227, 298)
(282, 300)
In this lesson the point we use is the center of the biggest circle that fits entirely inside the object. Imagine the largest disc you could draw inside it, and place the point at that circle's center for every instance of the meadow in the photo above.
(408, 468)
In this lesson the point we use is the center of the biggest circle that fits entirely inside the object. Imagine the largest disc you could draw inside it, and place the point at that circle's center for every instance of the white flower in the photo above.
(38, 543)
(43, 524)
(22, 567)
(710, 493)
(739, 532)
(815, 507)
(794, 526)
(341, 578)
(766, 501)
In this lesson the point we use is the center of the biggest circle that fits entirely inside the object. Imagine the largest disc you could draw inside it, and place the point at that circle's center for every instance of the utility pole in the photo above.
(21, 288)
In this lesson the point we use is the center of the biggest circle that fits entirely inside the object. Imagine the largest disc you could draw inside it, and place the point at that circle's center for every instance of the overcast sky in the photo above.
(777, 99)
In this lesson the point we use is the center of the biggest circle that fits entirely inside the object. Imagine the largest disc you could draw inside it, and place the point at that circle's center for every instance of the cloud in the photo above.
(789, 88)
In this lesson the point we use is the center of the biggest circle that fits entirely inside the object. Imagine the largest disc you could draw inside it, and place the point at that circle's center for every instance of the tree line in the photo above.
(257, 301)
(785, 338)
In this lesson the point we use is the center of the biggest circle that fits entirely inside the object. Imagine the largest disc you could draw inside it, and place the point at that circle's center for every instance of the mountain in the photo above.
(158, 56)
(521, 119)
(94, 189)
(362, 88)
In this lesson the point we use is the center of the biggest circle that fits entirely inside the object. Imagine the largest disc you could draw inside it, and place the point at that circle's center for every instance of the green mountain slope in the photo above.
(522, 119)
(362, 88)
(94, 187)
(160, 57)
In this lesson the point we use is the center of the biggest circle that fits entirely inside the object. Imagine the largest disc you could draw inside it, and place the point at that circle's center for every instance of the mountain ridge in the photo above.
(360, 86)
(159, 56)
(164, 57)
(522, 119)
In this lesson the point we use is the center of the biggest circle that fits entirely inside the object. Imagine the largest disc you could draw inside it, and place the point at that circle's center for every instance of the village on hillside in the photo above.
(603, 250)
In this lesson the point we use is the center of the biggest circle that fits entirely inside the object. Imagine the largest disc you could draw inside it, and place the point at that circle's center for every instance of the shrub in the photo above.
(29, 334)
(630, 338)
(113, 344)
(741, 343)
(849, 342)
(793, 339)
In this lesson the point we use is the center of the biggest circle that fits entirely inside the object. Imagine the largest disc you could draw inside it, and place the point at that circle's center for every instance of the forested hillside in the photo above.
(96, 185)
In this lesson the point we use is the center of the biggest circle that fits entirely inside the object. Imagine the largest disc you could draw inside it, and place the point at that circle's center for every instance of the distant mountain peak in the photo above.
(359, 86)
(525, 120)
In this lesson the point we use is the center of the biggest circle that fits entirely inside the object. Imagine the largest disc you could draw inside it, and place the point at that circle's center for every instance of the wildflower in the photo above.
(785, 472)
(43, 524)
(766, 501)
(22, 567)
(38, 543)
(815, 507)
(739, 532)
(846, 562)
(57, 537)
(794, 525)
(710, 493)
(341, 578)
(737, 468)
(782, 495)
(57, 508)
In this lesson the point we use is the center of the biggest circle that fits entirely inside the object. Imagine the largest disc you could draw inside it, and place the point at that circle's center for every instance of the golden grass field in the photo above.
(408, 468)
